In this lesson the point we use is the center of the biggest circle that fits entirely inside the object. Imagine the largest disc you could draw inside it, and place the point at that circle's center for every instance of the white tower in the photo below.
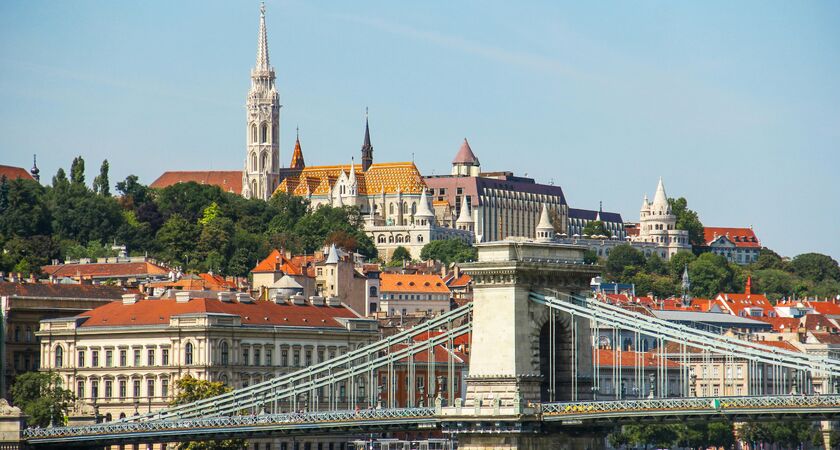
(262, 161)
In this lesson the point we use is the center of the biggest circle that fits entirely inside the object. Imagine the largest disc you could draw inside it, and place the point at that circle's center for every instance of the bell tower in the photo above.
(261, 174)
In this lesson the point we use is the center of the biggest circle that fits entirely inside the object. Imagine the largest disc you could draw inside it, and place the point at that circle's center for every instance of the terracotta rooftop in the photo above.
(260, 313)
(741, 237)
(43, 290)
(13, 173)
(412, 283)
(465, 155)
(278, 262)
(462, 281)
(827, 308)
(202, 282)
(390, 177)
(629, 358)
(226, 180)
(105, 270)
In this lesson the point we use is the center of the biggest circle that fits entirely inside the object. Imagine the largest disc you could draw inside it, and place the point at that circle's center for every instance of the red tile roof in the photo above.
(741, 237)
(227, 180)
(278, 262)
(13, 173)
(780, 324)
(818, 322)
(262, 313)
(43, 290)
(737, 303)
(629, 358)
(827, 308)
(462, 281)
(784, 345)
(397, 282)
(203, 282)
(105, 270)
(465, 155)
(827, 338)
(217, 280)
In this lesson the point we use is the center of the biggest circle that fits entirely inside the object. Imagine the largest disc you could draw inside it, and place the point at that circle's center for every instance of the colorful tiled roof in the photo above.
(43, 290)
(261, 313)
(105, 270)
(226, 180)
(13, 173)
(390, 177)
(417, 283)
(741, 237)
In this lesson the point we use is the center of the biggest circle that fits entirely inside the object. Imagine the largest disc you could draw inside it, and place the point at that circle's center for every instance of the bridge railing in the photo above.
(707, 404)
(222, 422)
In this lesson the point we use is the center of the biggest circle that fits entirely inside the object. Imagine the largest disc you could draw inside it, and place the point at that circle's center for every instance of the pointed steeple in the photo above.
(351, 179)
(645, 204)
(424, 213)
(332, 257)
(465, 220)
(263, 63)
(367, 148)
(465, 162)
(686, 287)
(660, 199)
(297, 155)
(544, 230)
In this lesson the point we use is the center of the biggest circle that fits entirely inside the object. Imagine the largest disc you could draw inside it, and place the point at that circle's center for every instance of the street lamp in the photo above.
(693, 382)
(652, 379)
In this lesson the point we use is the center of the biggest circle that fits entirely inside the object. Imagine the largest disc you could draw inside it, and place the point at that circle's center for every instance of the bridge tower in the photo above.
(513, 362)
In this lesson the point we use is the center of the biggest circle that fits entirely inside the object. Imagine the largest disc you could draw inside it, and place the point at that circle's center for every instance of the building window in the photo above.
(246, 356)
(137, 358)
(284, 358)
(296, 358)
(136, 388)
(308, 358)
(257, 357)
(28, 335)
(188, 353)
(164, 357)
(94, 358)
(81, 358)
(123, 358)
(224, 353)
(150, 388)
(59, 356)
(263, 133)
(94, 389)
(150, 357)
(269, 359)
(123, 389)
(109, 388)
(109, 358)
(80, 389)
(164, 388)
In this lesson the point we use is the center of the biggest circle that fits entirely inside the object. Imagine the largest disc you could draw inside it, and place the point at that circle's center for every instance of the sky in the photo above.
(736, 105)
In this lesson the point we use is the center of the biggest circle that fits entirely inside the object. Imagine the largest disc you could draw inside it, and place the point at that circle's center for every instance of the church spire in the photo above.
(262, 44)
(297, 154)
(367, 148)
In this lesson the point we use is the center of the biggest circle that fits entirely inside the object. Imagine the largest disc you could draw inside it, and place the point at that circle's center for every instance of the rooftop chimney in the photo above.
(316, 300)
(243, 297)
(225, 296)
(182, 297)
(130, 299)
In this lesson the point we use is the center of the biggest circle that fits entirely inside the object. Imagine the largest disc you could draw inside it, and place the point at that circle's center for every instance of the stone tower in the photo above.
(367, 148)
(261, 174)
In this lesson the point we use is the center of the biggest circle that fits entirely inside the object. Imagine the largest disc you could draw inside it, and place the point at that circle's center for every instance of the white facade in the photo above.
(657, 224)
(261, 174)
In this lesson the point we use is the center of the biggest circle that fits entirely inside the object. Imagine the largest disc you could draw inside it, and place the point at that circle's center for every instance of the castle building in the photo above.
(657, 224)
(737, 245)
(579, 218)
(497, 204)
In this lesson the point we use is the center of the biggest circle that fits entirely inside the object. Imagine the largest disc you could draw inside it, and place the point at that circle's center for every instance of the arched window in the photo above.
(17, 334)
(59, 356)
(399, 238)
(413, 208)
(254, 133)
(372, 291)
(274, 133)
(264, 161)
(391, 209)
(390, 239)
(253, 162)
(254, 189)
(264, 133)
(224, 353)
(419, 238)
(381, 239)
(188, 353)
(109, 417)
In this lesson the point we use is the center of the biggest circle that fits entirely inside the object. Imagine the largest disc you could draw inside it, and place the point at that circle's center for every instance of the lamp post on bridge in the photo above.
(692, 379)
(595, 390)
(652, 380)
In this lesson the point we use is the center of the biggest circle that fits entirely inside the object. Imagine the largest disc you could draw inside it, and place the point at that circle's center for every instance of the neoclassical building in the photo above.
(499, 204)
(125, 357)
(657, 224)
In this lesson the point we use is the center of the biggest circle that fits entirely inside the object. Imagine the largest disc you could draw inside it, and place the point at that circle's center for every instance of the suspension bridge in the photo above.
(545, 360)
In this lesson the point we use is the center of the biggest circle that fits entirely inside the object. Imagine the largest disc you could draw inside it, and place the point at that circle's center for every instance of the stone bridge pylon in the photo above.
(523, 353)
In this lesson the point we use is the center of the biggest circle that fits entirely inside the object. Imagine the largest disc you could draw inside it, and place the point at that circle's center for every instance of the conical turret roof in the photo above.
(423, 210)
(544, 230)
(465, 155)
(464, 216)
(660, 199)
(297, 156)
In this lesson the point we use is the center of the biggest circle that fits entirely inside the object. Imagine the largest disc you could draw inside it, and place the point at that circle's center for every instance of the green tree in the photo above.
(815, 267)
(190, 390)
(314, 229)
(27, 213)
(101, 185)
(177, 240)
(400, 255)
(60, 178)
(449, 251)
(710, 274)
(4, 194)
(93, 249)
(41, 396)
(188, 200)
(624, 261)
(77, 171)
(81, 215)
(589, 256)
(655, 265)
(678, 262)
(289, 210)
(131, 189)
(687, 220)
(595, 228)
(768, 259)
(775, 283)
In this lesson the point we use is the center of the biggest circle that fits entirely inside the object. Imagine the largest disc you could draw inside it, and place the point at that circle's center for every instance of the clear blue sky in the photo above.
(735, 104)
